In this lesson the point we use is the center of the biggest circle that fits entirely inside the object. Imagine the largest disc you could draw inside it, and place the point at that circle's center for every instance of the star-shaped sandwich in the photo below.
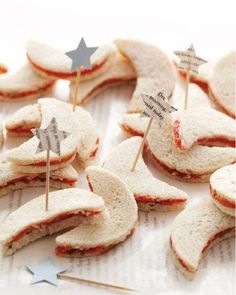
(188, 60)
(50, 138)
(45, 271)
(81, 56)
(157, 107)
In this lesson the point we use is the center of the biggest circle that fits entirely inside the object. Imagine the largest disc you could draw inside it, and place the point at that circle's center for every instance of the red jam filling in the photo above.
(131, 131)
(84, 71)
(58, 218)
(193, 79)
(94, 152)
(3, 69)
(22, 129)
(22, 94)
(167, 202)
(68, 250)
(54, 162)
(224, 202)
(213, 141)
(28, 179)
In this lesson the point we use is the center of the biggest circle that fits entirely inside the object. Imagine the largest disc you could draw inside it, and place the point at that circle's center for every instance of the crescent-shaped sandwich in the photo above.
(202, 126)
(134, 125)
(194, 231)
(87, 240)
(149, 192)
(52, 62)
(223, 188)
(24, 156)
(31, 222)
(30, 116)
(117, 71)
(195, 165)
(222, 84)
(24, 84)
(153, 68)
(11, 179)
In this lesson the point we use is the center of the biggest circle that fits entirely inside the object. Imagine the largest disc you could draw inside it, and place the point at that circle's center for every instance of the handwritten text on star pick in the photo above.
(188, 60)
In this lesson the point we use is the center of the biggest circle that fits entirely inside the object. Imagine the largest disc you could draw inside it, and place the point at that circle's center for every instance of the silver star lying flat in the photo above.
(81, 56)
(50, 138)
(156, 107)
(46, 271)
(188, 60)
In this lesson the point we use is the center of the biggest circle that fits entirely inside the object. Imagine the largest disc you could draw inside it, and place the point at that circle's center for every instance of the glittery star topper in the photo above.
(156, 107)
(50, 138)
(81, 56)
(45, 271)
(188, 60)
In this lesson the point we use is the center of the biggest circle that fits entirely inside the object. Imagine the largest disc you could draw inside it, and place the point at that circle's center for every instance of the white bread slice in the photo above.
(202, 126)
(118, 71)
(134, 125)
(11, 179)
(223, 188)
(222, 84)
(25, 158)
(149, 192)
(52, 62)
(23, 120)
(24, 84)
(196, 98)
(194, 231)
(34, 222)
(154, 70)
(86, 240)
(28, 117)
(196, 165)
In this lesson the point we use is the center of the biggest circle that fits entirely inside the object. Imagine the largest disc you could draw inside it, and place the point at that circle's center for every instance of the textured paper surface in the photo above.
(143, 261)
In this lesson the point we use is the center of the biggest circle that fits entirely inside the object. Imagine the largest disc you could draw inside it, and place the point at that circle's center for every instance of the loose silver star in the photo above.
(81, 56)
(50, 138)
(45, 271)
(156, 107)
(188, 60)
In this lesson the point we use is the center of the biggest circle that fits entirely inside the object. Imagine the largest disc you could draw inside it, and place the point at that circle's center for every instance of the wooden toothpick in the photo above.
(142, 144)
(47, 179)
(76, 278)
(75, 94)
(188, 74)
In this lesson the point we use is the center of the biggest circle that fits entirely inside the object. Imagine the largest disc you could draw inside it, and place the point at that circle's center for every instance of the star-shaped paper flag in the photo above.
(157, 107)
(81, 56)
(50, 138)
(45, 271)
(188, 60)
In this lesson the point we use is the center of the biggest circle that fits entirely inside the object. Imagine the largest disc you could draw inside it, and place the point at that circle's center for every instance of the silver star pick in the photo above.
(45, 271)
(156, 107)
(81, 56)
(50, 138)
(188, 60)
